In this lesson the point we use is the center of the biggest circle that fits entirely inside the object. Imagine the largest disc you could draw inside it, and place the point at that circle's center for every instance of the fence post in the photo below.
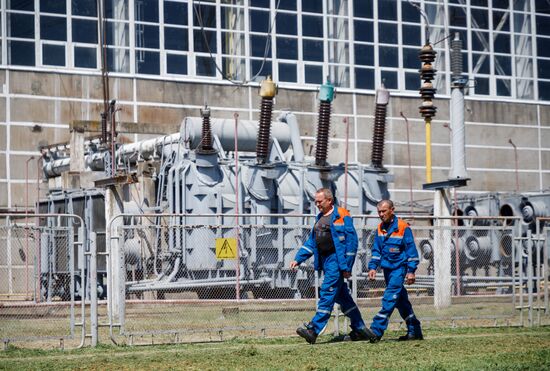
(442, 250)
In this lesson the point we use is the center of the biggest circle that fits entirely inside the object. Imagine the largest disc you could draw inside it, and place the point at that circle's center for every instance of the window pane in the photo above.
(388, 56)
(525, 89)
(53, 28)
(410, 58)
(147, 11)
(233, 43)
(387, 9)
(389, 78)
(542, 47)
(232, 19)
(53, 6)
(480, 41)
(387, 33)
(261, 68)
(409, 13)
(117, 34)
(258, 45)
(85, 57)
(501, 43)
(457, 16)
(362, 9)
(21, 5)
(84, 7)
(543, 68)
(118, 60)
(503, 88)
(412, 35)
(482, 86)
(21, 53)
(233, 68)
(287, 4)
(205, 66)
(543, 26)
(480, 18)
(287, 72)
(53, 55)
(481, 63)
(286, 24)
(312, 26)
(503, 65)
(147, 62)
(313, 50)
(287, 48)
(412, 81)
(260, 3)
(364, 78)
(176, 39)
(313, 6)
(544, 90)
(84, 31)
(176, 64)
(116, 10)
(259, 21)
(501, 17)
(21, 25)
(363, 31)
(204, 15)
(201, 38)
(147, 36)
(364, 55)
(175, 13)
(313, 74)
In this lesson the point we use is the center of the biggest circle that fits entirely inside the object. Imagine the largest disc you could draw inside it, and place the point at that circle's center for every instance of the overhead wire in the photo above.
(198, 12)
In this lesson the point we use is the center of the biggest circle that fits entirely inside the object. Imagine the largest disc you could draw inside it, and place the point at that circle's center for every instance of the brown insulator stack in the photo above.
(206, 141)
(427, 74)
(268, 90)
(382, 99)
(326, 96)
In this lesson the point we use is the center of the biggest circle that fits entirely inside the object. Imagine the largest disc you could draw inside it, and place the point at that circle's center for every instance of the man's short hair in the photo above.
(327, 192)
(387, 202)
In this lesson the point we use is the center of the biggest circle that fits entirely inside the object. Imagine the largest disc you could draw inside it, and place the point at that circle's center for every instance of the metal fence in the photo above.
(185, 278)
(43, 271)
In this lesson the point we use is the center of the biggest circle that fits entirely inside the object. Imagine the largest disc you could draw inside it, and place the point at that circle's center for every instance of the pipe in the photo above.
(192, 285)
(297, 147)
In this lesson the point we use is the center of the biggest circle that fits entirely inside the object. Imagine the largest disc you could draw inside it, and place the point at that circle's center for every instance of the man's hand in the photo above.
(346, 274)
(410, 278)
(294, 265)
(372, 274)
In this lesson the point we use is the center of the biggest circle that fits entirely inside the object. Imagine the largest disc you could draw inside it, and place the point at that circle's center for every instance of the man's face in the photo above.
(385, 212)
(323, 204)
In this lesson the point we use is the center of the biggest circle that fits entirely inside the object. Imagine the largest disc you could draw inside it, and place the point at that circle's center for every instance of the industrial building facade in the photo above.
(166, 59)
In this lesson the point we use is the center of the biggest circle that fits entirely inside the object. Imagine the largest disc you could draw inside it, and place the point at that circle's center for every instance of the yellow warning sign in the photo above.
(226, 248)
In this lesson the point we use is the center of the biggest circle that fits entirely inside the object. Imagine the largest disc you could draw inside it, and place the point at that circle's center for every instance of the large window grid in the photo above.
(357, 44)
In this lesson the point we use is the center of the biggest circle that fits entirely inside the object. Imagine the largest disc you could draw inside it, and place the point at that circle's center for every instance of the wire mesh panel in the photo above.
(183, 283)
(39, 270)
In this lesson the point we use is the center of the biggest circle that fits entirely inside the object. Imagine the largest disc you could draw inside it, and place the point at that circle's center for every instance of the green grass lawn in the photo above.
(505, 348)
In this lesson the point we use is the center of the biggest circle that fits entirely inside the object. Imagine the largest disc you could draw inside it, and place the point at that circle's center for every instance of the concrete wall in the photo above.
(36, 108)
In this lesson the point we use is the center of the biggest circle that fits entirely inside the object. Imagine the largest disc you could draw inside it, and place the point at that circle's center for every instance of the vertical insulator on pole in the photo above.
(268, 90)
(427, 74)
(103, 127)
(206, 140)
(456, 58)
(326, 96)
(382, 99)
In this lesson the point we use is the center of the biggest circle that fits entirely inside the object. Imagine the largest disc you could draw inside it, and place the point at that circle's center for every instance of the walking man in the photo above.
(333, 244)
(395, 251)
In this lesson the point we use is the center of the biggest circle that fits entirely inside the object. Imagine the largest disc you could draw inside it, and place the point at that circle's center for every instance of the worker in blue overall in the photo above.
(333, 243)
(395, 251)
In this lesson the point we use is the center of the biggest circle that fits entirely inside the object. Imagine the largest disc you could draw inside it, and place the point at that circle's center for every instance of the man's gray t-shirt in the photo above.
(323, 236)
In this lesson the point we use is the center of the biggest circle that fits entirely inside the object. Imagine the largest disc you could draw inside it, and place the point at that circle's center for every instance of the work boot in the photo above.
(307, 333)
(363, 334)
(410, 336)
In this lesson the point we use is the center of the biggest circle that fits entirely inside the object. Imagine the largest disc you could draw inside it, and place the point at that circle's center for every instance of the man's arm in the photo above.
(304, 252)
(412, 256)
